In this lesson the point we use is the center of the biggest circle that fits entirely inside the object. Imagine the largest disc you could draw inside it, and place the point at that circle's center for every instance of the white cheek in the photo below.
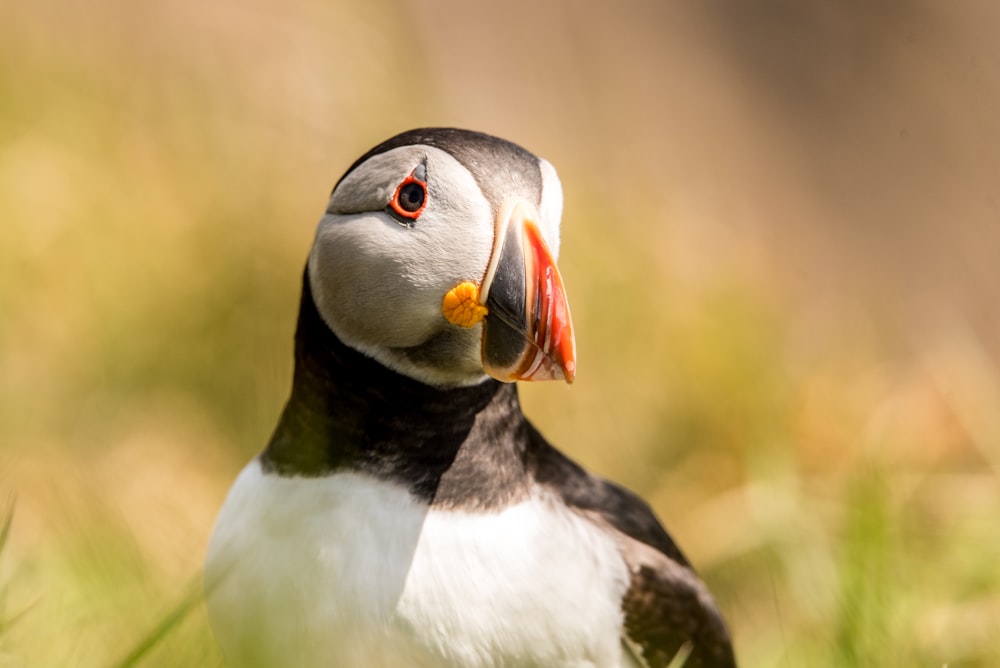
(359, 268)
(379, 283)
(550, 208)
(451, 245)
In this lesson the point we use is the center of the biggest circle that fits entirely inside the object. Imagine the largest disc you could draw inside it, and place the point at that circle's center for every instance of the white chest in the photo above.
(346, 570)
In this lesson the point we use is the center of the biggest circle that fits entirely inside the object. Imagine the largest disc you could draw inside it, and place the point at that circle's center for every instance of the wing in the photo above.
(668, 611)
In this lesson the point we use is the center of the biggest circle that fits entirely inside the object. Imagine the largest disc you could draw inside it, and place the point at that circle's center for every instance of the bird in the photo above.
(405, 512)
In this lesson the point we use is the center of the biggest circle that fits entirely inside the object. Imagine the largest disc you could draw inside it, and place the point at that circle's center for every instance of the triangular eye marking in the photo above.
(410, 198)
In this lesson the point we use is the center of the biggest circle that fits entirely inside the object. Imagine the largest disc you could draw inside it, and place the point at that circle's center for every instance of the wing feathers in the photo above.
(668, 612)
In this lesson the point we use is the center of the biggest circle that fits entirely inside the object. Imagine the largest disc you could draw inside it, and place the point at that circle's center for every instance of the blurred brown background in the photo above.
(780, 241)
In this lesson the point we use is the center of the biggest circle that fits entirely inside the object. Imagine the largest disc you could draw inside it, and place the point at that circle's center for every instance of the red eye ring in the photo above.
(409, 202)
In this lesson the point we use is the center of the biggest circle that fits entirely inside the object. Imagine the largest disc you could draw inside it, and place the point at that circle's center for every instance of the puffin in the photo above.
(405, 512)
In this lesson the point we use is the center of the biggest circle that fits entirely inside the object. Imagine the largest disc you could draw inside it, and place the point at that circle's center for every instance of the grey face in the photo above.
(378, 272)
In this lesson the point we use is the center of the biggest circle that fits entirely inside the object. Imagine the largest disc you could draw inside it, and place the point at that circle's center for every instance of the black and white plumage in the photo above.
(405, 513)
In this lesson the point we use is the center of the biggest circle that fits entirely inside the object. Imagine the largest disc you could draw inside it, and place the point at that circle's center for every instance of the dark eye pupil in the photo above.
(411, 196)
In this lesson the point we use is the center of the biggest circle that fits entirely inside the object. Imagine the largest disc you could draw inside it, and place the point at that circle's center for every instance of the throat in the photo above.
(451, 447)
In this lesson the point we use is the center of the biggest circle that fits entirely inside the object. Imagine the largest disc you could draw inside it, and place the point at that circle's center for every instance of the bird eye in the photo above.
(409, 199)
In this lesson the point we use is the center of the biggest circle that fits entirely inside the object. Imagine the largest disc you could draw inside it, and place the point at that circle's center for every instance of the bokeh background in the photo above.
(781, 243)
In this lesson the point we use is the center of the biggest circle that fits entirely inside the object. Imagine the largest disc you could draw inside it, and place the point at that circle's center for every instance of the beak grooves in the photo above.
(528, 333)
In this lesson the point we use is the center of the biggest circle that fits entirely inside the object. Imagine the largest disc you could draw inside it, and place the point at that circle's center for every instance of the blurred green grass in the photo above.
(162, 166)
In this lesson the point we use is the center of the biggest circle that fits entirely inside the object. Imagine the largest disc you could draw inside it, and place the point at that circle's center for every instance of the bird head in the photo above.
(436, 256)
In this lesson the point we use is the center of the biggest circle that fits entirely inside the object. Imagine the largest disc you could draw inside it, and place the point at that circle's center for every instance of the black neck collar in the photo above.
(459, 446)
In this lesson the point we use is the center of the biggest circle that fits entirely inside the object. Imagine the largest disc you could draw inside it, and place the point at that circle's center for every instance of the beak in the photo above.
(527, 332)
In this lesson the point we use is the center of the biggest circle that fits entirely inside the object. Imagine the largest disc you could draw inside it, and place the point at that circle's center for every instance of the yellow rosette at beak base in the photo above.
(461, 306)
